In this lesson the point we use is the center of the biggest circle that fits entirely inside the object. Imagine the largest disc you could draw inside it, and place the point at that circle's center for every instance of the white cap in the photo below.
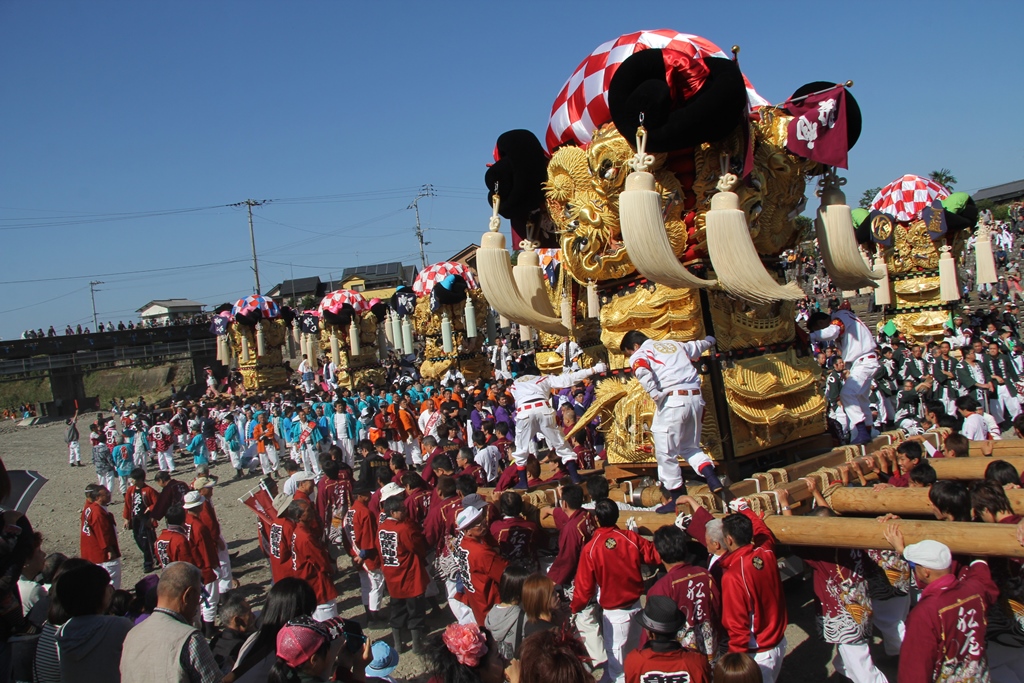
(193, 499)
(390, 491)
(468, 517)
(929, 554)
(303, 476)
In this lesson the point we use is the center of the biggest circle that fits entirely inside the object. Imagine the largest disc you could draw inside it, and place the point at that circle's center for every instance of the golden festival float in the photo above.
(669, 200)
(666, 191)
(451, 315)
(349, 333)
(254, 335)
(916, 231)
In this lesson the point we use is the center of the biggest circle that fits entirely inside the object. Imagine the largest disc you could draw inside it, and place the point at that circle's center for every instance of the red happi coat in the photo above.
(204, 546)
(403, 557)
(481, 567)
(98, 542)
(312, 564)
(362, 533)
(280, 544)
(172, 545)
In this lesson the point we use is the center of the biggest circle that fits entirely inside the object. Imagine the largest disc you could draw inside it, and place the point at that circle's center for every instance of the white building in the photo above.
(163, 311)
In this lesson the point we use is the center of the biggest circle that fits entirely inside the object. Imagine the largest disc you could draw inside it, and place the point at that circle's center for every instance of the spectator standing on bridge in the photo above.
(71, 437)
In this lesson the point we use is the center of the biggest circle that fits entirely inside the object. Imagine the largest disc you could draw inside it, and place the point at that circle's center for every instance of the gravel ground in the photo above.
(56, 512)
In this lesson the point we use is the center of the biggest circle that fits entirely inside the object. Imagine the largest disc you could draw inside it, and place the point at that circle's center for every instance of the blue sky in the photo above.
(110, 108)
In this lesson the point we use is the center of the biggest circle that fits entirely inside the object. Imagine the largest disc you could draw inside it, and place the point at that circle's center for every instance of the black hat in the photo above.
(640, 86)
(662, 615)
(361, 488)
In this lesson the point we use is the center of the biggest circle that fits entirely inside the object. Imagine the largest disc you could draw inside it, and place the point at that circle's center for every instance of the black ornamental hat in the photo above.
(640, 87)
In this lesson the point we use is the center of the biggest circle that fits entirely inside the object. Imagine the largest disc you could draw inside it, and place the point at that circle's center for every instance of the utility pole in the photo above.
(92, 293)
(425, 191)
(249, 203)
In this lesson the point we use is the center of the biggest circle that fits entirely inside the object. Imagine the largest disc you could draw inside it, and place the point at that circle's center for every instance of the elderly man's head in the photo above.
(180, 589)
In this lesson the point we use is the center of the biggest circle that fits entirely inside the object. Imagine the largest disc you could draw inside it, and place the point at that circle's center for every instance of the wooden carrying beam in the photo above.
(898, 501)
(969, 468)
(973, 539)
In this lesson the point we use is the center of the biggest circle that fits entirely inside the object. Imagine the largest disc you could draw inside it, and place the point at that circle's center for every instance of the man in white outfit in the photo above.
(665, 369)
(860, 352)
(534, 415)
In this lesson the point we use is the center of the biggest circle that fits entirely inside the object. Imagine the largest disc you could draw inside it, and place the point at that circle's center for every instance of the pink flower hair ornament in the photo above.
(466, 642)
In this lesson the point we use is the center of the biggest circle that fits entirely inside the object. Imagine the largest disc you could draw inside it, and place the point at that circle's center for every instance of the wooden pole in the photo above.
(969, 468)
(898, 501)
(973, 539)
(998, 449)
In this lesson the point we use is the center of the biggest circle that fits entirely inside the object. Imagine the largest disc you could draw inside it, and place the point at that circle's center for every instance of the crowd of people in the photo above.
(417, 488)
(121, 326)
(386, 483)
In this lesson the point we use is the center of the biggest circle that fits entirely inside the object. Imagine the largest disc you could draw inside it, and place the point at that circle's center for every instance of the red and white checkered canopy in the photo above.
(905, 198)
(253, 302)
(338, 298)
(431, 275)
(582, 105)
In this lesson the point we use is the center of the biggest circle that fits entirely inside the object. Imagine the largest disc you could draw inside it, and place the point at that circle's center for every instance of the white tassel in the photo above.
(985, 262)
(504, 323)
(261, 344)
(407, 346)
(525, 334)
(446, 333)
(353, 337)
(837, 241)
(220, 351)
(643, 226)
(733, 255)
(335, 350)
(567, 313)
(245, 347)
(883, 292)
(529, 277)
(296, 333)
(470, 314)
(593, 301)
(389, 329)
(948, 289)
(502, 289)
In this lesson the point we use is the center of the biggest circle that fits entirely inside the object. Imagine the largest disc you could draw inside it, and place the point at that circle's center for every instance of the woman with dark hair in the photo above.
(288, 599)
(47, 661)
(307, 651)
(539, 603)
(550, 657)
(465, 653)
(506, 619)
(737, 667)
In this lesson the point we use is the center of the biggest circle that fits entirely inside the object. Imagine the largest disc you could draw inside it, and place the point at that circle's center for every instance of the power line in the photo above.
(40, 303)
(126, 272)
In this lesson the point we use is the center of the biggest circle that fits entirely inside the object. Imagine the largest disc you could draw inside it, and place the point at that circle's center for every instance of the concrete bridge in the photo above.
(65, 359)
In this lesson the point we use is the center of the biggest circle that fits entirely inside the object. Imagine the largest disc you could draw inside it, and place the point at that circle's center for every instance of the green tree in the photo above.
(943, 177)
(868, 197)
(806, 226)
(308, 302)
